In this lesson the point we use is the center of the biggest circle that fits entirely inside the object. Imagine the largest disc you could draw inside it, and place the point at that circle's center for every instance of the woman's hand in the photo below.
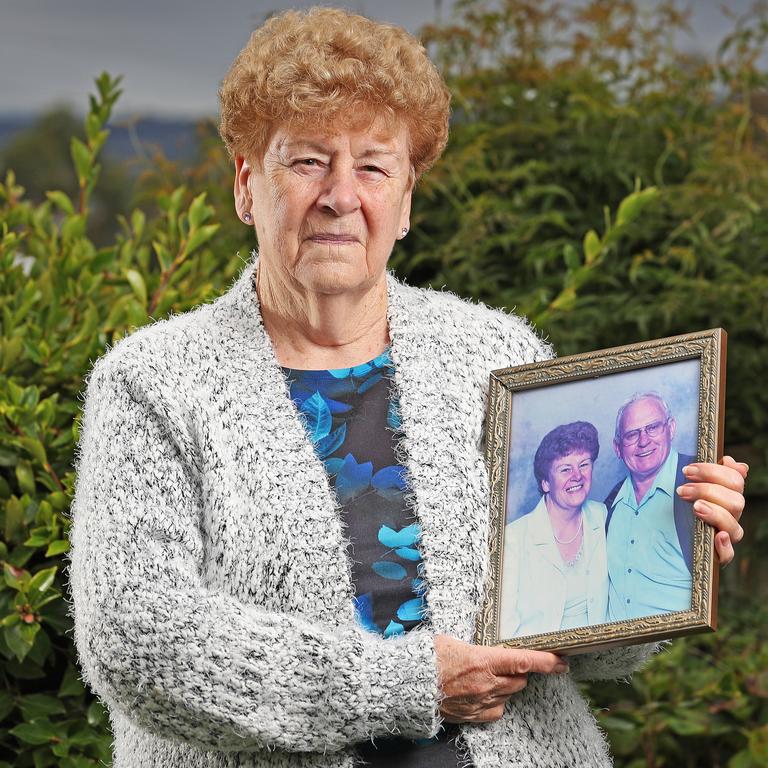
(717, 493)
(477, 681)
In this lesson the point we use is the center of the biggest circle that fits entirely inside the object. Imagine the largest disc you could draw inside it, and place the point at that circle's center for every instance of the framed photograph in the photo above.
(590, 545)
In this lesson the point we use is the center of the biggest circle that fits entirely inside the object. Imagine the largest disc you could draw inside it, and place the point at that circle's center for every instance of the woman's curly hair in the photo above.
(326, 67)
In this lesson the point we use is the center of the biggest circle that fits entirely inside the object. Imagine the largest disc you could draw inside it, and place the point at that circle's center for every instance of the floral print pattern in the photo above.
(351, 416)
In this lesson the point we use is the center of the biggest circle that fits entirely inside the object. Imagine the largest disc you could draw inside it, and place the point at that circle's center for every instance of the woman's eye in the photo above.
(372, 169)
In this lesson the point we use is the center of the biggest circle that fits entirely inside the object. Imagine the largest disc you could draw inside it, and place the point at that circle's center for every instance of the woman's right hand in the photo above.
(476, 680)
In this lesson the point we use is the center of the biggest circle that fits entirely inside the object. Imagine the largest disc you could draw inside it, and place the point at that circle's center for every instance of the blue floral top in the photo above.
(351, 416)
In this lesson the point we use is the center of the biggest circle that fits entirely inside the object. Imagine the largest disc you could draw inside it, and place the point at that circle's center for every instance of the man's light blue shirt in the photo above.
(646, 568)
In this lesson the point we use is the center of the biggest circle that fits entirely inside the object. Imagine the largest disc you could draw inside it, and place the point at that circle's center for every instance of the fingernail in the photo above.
(562, 667)
(745, 465)
(700, 507)
(691, 471)
(685, 491)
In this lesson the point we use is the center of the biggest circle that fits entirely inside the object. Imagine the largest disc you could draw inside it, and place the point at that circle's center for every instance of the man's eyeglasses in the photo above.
(652, 430)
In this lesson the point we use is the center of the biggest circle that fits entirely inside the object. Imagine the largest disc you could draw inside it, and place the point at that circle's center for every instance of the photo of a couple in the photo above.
(610, 542)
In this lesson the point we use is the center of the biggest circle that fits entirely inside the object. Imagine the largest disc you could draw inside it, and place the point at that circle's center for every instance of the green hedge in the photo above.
(614, 195)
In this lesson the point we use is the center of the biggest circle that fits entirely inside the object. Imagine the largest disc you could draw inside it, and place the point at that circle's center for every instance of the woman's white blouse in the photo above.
(534, 587)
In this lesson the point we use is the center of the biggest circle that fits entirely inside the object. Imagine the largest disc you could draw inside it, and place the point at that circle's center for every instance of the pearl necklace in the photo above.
(575, 535)
(575, 559)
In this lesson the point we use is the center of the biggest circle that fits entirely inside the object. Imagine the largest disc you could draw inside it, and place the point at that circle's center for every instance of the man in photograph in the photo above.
(649, 527)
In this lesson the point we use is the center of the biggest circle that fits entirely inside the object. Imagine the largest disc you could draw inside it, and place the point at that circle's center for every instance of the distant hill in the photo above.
(177, 138)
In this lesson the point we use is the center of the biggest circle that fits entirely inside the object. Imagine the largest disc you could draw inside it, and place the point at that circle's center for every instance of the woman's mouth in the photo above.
(329, 237)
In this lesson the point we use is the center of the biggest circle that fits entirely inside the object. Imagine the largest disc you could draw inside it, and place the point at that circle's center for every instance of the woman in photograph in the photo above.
(279, 537)
(555, 573)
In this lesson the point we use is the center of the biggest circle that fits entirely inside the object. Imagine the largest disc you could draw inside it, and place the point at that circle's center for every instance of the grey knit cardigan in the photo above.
(209, 569)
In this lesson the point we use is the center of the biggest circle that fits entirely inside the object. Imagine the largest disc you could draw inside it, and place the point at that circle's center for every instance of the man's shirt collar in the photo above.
(664, 481)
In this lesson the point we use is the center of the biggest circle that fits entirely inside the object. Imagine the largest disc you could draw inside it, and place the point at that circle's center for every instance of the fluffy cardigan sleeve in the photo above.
(188, 663)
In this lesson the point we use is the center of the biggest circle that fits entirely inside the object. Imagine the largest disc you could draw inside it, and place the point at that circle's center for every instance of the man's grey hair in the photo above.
(640, 396)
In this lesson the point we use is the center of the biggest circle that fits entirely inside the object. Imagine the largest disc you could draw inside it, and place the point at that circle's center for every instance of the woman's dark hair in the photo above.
(562, 440)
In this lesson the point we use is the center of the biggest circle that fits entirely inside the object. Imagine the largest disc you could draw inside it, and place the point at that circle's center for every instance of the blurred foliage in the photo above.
(605, 185)
(561, 112)
(40, 159)
(702, 702)
(63, 301)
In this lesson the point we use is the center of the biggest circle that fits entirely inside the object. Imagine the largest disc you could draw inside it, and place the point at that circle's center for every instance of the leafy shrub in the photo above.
(703, 701)
(63, 302)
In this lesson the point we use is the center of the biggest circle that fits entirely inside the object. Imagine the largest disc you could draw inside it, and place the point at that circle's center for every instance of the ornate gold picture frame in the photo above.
(590, 546)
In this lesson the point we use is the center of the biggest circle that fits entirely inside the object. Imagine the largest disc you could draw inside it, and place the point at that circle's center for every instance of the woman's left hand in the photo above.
(717, 493)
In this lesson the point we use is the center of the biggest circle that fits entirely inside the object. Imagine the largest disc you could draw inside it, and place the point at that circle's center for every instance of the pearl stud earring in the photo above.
(247, 217)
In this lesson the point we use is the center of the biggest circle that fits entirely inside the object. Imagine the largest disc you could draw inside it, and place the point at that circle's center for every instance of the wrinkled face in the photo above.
(643, 453)
(569, 480)
(327, 207)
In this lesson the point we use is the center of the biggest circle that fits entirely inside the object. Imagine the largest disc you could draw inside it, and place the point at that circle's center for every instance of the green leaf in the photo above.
(592, 247)
(96, 714)
(174, 201)
(15, 392)
(34, 447)
(42, 581)
(71, 684)
(62, 750)
(14, 518)
(163, 255)
(138, 220)
(62, 201)
(11, 349)
(116, 313)
(8, 459)
(198, 212)
(7, 704)
(36, 732)
(572, 257)
(635, 204)
(57, 547)
(20, 638)
(611, 723)
(44, 518)
(81, 158)
(41, 705)
(742, 759)
(92, 125)
(26, 478)
(58, 500)
(138, 286)
(692, 723)
(201, 236)
(73, 228)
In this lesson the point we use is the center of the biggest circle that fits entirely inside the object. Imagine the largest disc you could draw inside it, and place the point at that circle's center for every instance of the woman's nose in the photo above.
(340, 195)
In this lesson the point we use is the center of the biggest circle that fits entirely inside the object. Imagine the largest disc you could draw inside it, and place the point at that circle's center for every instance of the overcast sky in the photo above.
(173, 53)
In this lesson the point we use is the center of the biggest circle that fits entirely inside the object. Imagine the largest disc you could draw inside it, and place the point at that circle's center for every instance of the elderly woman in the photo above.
(560, 543)
(268, 570)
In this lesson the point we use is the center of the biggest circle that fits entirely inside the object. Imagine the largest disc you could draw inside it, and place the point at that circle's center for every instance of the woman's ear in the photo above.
(242, 193)
(405, 208)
